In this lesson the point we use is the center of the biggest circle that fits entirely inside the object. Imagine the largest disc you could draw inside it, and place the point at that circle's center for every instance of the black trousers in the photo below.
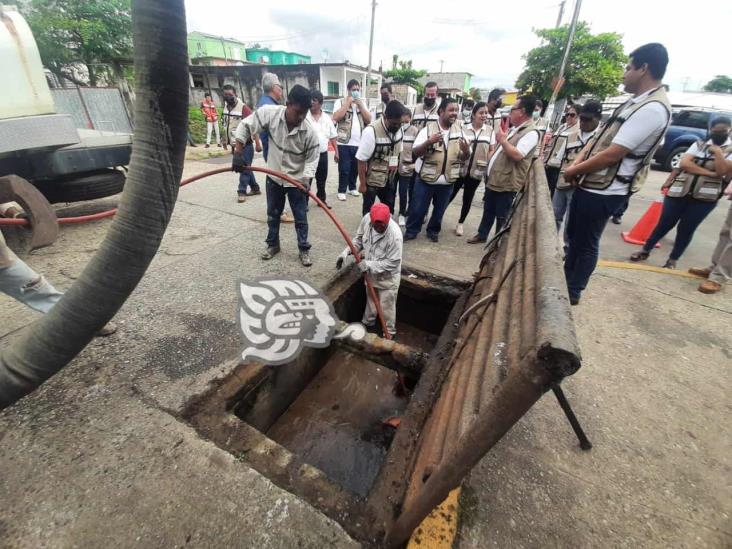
(321, 174)
(552, 176)
(385, 194)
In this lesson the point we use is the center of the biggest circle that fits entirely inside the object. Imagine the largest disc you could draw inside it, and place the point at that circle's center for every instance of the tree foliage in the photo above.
(93, 33)
(403, 73)
(719, 84)
(595, 64)
(474, 94)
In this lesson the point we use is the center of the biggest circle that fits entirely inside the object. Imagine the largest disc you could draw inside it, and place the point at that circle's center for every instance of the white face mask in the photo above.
(405, 126)
(535, 115)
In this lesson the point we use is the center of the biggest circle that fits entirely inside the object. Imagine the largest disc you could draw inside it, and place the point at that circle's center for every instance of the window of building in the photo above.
(333, 88)
(199, 48)
(198, 81)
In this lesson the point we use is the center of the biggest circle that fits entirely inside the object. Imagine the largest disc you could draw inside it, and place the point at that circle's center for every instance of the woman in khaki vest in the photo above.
(482, 139)
(693, 194)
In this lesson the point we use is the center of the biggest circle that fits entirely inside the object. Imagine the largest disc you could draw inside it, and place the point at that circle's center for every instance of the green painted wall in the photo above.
(276, 57)
(201, 45)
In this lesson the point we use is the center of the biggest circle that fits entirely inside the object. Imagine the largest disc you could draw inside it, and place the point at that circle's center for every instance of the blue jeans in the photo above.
(406, 190)
(21, 282)
(347, 168)
(588, 215)
(560, 203)
(688, 213)
(247, 179)
(276, 195)
(424, 194)
(495, 209)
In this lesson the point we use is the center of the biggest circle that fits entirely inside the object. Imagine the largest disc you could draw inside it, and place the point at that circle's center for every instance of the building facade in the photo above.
(265, 56)
(212, 50)
(449, 84)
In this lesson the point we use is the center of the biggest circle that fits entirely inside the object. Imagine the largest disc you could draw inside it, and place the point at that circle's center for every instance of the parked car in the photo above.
(687, 126)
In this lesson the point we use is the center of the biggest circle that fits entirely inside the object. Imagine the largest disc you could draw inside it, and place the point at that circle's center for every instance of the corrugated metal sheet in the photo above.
(94, 108)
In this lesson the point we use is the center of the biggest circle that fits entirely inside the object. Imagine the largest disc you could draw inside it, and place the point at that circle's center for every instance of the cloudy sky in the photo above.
(484, 38)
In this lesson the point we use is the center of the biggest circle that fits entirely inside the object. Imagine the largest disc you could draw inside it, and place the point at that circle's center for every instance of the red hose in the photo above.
(338, 224)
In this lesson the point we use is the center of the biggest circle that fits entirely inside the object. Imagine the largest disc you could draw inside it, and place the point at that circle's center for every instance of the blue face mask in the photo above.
(355, 94)
(535, 115)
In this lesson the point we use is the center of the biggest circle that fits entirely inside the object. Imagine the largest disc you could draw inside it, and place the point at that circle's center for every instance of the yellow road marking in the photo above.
(438, 529)
(642, 267)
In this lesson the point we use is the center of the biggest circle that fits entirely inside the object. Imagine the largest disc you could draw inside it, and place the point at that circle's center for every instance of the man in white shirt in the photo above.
(295, 153)
(508, 169)
(351, 116)
(626, 157)
(324, 127)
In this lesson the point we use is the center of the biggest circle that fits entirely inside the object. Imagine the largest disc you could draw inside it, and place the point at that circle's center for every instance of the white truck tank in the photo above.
(25, 90)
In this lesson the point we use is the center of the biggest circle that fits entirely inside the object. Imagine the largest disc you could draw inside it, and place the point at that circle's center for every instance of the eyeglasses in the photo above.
(571, 115)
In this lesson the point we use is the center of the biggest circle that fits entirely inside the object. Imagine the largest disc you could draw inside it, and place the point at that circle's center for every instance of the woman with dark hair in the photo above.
(693, 194)
(481, 138)
(557, 146)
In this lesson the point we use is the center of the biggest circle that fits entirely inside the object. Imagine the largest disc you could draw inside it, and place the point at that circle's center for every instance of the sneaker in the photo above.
(709, 287)
(305, 259)
(270, 252)
(409, 237)
(615, 219)
(341, 196)
(574, 300)
(207, 146)
(220, 145)
(254, 192)
(670, 264)
(704, 273)
(433, 237)
(241, 198)
(402, 221)
(287, 218)
(477, 239)
(459, 229)
(354, 192)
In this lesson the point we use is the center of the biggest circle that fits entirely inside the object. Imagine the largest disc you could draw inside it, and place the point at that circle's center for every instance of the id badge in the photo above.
(393, 163)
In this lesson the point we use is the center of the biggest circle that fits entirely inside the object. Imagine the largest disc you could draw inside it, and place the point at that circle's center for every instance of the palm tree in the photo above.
(161, 74)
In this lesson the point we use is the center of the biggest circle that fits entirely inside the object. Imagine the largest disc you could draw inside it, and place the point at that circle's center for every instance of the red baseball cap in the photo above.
(380, 212)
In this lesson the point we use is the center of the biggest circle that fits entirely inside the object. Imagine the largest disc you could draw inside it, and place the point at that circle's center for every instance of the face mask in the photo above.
(467, 112)
(405, 126)
(718, 138)
(535, 115)
(393, 129)
(429, 102)
(355, 94)
(385, 98)
(230, 100)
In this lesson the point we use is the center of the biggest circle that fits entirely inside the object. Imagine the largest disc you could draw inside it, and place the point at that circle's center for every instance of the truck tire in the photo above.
(673, 158)
(86, 186)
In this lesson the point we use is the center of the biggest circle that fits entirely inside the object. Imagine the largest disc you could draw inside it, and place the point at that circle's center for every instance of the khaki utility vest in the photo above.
(700, 187)
(406, 161)
(555, 155)
(422, 116)
(603, 138)
(507, 175)
(440, 160)
(571, 152)
(480, 144)
(383, 164)
(345, 125)
(380, 111)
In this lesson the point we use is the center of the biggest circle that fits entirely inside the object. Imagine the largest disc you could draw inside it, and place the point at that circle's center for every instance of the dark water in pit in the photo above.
(335, 423)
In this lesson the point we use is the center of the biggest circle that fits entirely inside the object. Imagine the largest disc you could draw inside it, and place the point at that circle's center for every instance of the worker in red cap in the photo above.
(379, 241)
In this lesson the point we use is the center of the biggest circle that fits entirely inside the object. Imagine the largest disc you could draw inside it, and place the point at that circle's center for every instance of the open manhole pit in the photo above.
(316, 426)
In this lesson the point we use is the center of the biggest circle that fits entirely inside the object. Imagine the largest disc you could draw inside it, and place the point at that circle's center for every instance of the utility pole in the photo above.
(561, 13)
(442, 64)
(550, 109)
(371, 48)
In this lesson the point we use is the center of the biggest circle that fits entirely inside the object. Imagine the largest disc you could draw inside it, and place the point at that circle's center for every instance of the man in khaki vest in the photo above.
(440, 149)
(427, 110)
(351, 117)
(508, 170)
(494, 103)
(378, 158)
(387, 95)
(615, 162)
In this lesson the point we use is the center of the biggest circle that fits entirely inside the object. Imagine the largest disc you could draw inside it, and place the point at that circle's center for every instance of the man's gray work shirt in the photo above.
(293, 152)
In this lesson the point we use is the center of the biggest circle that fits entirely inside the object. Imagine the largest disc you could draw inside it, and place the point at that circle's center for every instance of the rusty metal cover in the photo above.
(515, 339)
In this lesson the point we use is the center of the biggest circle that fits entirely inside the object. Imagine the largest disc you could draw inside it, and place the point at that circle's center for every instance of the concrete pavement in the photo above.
(98, 456)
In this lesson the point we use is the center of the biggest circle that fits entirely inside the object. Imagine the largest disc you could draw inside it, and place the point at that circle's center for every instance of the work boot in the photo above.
(477, 239)
(305, 258)
(254, 192)
(270, 252)
(709, 287)
(287, 218)
(702, 272)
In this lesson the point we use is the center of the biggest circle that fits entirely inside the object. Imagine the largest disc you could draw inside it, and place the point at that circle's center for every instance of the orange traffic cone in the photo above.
(645, 225)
